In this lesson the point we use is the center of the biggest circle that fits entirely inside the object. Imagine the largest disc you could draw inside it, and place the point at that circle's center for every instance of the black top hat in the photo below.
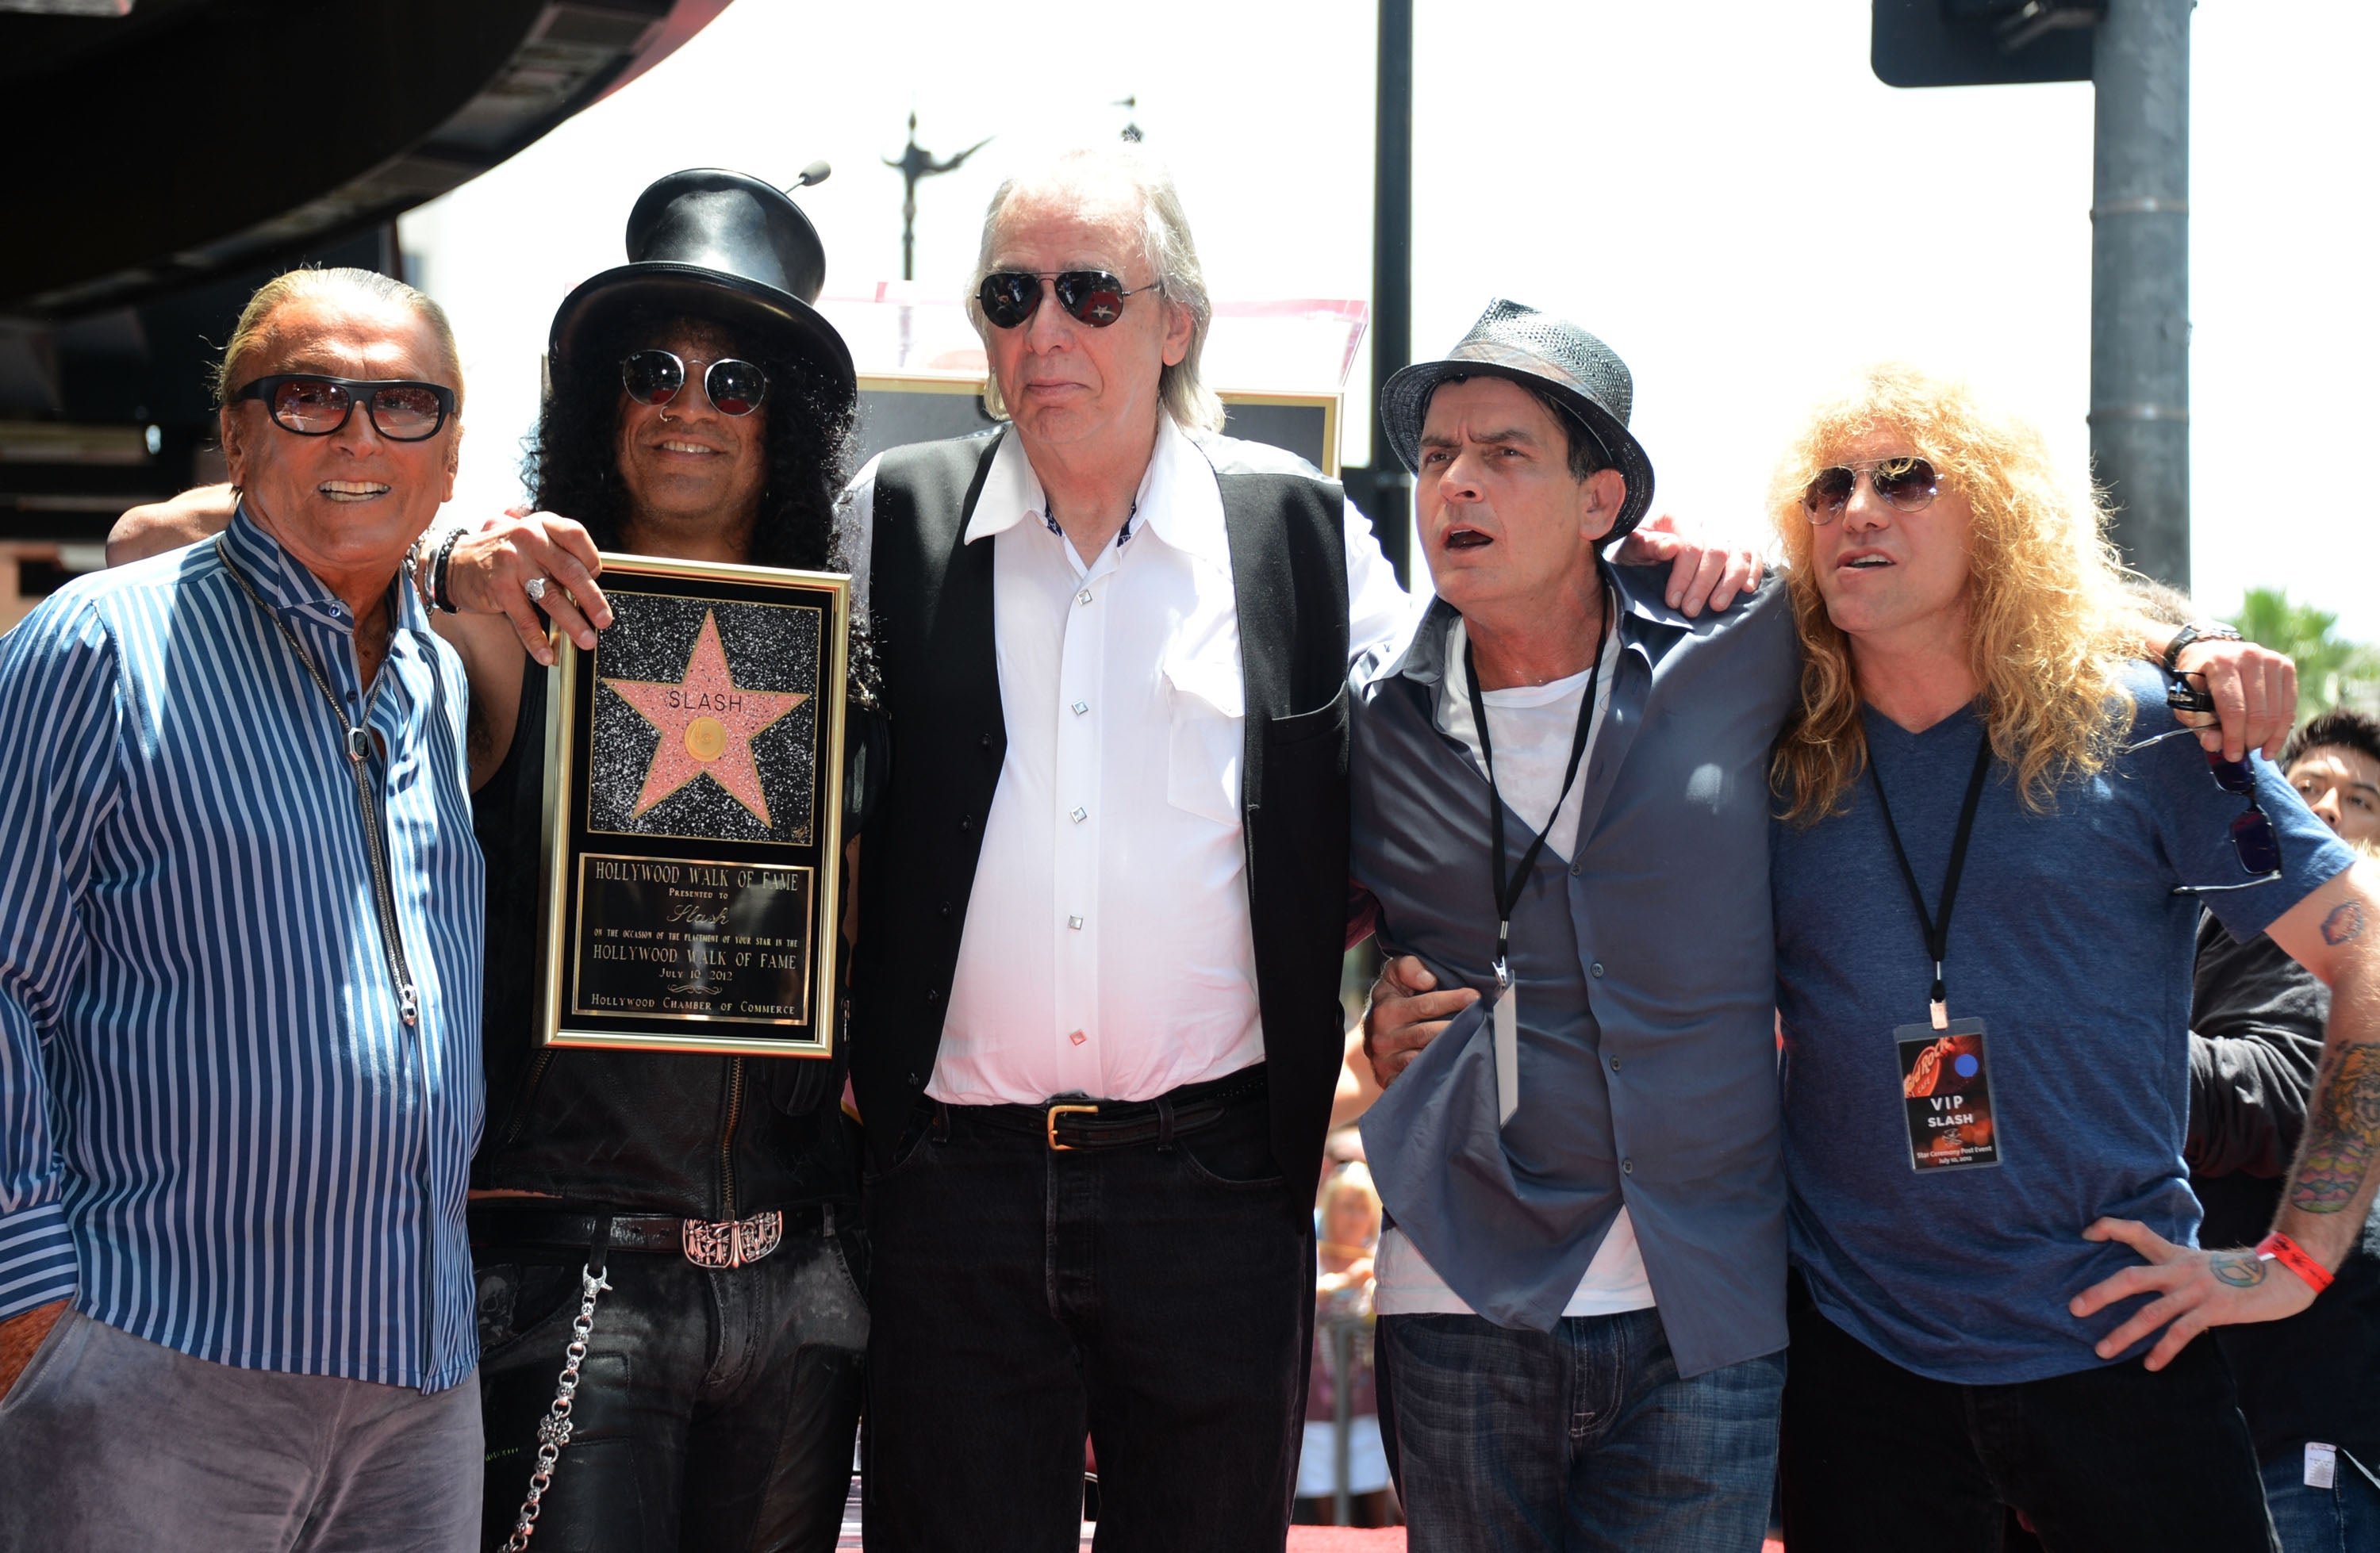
(708, 243)
(1585, 376)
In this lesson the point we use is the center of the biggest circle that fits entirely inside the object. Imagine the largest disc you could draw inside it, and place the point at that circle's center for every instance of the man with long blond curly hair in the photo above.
(1986, 879)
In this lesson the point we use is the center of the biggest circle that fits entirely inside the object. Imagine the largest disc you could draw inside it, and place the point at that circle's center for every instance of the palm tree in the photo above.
(2330, 669)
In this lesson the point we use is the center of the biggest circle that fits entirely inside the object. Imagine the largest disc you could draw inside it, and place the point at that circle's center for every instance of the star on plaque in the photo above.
(707, 722)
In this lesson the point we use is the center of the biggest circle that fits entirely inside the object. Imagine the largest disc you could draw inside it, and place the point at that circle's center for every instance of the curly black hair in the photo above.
(571, 464)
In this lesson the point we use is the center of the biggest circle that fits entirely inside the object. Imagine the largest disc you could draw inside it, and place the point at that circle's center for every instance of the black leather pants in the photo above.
(715, 1409)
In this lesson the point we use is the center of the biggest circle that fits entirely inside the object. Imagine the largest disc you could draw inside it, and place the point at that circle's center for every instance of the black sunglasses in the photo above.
(654, 377)
(2253, 840)
(314, 406)
(1908, 484)
(1092, 297)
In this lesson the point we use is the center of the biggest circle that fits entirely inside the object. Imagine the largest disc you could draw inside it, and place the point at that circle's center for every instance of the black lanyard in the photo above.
(1937, 932)
(1508, 888)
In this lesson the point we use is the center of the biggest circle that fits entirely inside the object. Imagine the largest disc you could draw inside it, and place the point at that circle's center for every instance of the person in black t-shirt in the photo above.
(2310, 1385)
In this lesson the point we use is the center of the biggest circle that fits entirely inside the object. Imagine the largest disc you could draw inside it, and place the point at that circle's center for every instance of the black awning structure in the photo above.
(168, 156)
(187, 139)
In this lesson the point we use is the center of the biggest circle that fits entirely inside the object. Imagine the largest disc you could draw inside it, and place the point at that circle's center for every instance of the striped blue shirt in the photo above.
(216, 1130)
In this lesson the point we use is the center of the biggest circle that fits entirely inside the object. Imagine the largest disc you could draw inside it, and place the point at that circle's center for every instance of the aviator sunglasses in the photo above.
(1906, 484)
(2253, 840)
(654, 377)
(313, 406)
(1091, 297)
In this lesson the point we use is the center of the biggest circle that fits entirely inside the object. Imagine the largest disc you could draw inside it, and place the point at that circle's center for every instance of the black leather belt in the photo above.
(1068, 1123)
(498, 1222)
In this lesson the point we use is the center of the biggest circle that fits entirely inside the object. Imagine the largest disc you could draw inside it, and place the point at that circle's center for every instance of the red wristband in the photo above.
(2279, 1248)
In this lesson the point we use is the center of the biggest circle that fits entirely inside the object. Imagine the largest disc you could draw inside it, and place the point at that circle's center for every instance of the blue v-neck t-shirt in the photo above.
(2068, 943)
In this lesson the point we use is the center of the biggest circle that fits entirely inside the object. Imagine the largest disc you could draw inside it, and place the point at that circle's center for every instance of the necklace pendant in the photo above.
(358, 745)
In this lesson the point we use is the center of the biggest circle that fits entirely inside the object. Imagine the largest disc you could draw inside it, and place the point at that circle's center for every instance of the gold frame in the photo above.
(561, 703)
(1329, 404)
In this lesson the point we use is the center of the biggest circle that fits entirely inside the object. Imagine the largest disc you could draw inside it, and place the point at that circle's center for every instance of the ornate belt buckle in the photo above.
(732, 1242)
(1056, 1111)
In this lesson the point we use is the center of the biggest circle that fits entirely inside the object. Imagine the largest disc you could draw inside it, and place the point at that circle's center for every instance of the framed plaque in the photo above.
(693, 825)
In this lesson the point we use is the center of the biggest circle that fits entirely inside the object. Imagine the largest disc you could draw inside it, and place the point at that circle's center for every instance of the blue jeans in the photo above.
(2343, 1518)
(1582, 1439)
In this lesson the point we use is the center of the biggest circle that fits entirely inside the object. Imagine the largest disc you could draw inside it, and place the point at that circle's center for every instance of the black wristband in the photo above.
(2196, 631)
(438, 594)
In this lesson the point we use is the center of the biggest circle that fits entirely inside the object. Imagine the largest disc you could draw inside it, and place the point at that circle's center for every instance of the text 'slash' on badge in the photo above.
(1945, 1094)
(705, 720)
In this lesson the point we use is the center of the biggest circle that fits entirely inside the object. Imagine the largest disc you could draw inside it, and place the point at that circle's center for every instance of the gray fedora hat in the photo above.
(1538, 350)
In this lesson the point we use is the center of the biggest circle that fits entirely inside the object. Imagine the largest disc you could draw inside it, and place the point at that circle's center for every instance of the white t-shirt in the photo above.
(1531, 726)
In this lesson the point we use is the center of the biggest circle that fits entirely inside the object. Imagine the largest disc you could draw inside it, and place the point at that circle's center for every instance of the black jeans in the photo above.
(1158, 1296)
(715, 1409)
(1876, 1458)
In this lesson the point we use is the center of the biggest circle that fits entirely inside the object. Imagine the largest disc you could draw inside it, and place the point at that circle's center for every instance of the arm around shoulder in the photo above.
(155, 528)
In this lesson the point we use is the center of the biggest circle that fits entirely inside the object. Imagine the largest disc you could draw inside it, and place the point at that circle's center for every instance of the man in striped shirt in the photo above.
(239, 988)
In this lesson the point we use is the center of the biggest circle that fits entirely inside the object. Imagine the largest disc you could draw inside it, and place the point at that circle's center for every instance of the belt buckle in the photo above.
(1055, 1111)
(734, 1243)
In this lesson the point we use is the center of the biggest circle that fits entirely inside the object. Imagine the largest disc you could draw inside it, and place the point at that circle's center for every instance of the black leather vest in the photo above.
(685, 1134)
(930, 607)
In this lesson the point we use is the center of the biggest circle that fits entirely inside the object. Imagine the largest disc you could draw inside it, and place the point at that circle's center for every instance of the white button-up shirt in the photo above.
(1107, 949)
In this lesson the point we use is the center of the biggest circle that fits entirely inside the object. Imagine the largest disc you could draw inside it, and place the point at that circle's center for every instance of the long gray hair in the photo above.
(1165, 237)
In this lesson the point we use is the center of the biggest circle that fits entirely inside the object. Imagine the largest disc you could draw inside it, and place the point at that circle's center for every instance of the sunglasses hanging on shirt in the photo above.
(2253, 840)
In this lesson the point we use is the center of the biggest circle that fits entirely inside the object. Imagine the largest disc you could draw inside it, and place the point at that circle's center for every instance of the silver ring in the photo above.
(535, 588)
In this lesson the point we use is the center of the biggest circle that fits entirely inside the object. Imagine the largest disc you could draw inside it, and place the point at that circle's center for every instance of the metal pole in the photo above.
(1343, 1434)
(2140, 281)
(1390, 507)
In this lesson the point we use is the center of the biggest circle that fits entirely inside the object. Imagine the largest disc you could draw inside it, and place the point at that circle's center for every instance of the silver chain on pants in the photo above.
(554, 1429)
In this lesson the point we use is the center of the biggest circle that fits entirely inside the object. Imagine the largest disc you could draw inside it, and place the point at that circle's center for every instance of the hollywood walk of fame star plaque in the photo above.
(692, 828)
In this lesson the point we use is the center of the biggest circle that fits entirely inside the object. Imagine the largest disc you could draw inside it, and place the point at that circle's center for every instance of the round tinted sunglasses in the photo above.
(1092, 297)
(654, 377)
(313, 406)
(1906, 484)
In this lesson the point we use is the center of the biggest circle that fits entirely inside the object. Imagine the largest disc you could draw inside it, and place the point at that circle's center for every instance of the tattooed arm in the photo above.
(2335, 934)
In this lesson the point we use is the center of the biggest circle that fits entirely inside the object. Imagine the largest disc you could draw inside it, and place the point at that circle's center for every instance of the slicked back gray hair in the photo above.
(1166, 241)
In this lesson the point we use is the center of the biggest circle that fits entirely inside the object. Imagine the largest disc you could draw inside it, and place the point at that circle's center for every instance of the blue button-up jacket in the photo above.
(217, 1132)
(1646, 969)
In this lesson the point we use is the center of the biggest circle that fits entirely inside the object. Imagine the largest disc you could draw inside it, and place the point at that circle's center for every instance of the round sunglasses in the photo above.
(314, 406)
(1092, 297)
(1905, 484)
(655, 377)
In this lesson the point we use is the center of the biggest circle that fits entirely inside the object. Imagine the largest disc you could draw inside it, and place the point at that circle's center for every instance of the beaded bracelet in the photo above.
(438, 594)
(2279, 1248)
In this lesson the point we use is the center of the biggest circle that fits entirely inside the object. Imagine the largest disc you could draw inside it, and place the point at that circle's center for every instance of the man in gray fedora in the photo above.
(1561, 803)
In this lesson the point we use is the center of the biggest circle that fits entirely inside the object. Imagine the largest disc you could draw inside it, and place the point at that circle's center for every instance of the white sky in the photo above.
(1722, 190)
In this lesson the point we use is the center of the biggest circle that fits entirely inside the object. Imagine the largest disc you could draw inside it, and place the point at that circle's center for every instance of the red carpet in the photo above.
(1302, 1539)
(1339, 1539)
